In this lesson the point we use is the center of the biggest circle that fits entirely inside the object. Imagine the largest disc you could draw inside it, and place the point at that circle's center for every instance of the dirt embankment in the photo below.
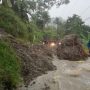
(35, 59)
(71, 48)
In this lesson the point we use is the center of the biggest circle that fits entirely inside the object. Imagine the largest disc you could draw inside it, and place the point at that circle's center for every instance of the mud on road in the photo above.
(70, 75)
(34, 60)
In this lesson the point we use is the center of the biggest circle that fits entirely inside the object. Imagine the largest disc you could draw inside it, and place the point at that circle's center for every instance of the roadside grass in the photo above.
(9, 67)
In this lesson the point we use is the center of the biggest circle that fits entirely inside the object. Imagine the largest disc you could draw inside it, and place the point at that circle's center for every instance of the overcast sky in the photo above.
(79, 7)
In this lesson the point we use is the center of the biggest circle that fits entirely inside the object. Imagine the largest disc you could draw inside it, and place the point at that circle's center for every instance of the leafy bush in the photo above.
(35, 35)
(17, 27)
(12, 23)
(9, 66)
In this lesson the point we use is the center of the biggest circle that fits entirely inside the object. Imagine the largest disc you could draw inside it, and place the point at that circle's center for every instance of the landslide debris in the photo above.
(71, 48)
(35, 59)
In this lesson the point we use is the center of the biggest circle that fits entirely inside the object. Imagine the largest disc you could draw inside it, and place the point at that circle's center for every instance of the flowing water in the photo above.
(70, 75)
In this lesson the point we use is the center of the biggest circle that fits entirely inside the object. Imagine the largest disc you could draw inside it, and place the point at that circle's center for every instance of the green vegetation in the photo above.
(15, 21)
(12, 23)
(73, 25)
(9, 66)
(35, 35)
(50, 33)
(15, 26)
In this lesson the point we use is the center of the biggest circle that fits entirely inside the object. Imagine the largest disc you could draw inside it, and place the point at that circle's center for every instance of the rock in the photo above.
(71, 48)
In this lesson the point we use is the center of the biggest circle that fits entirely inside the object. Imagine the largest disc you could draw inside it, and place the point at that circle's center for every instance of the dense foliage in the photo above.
(73, 25)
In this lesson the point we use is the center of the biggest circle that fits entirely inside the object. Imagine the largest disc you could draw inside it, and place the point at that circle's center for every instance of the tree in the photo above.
(41, 19)
(86, 32)
(33, 6)
(47, 4)
(60, 27)
(4, 2)
(20, 7)
(40, 8)
(74, 24)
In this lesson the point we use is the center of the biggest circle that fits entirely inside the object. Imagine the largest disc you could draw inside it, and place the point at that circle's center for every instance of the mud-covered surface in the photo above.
(70, 75)
(35, 59)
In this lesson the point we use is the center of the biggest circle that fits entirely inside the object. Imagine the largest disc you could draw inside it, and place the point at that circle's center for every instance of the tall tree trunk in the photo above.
(4, 3)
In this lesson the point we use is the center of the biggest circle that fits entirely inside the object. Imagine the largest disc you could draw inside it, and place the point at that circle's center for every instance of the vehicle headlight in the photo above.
(52, 44)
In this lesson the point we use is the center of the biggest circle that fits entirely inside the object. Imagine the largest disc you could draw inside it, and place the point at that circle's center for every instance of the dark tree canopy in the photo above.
(74, 24)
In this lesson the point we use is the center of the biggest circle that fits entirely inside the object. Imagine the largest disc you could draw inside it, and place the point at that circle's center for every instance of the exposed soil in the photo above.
(35, 59)
(71, 48)
(70, 75)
